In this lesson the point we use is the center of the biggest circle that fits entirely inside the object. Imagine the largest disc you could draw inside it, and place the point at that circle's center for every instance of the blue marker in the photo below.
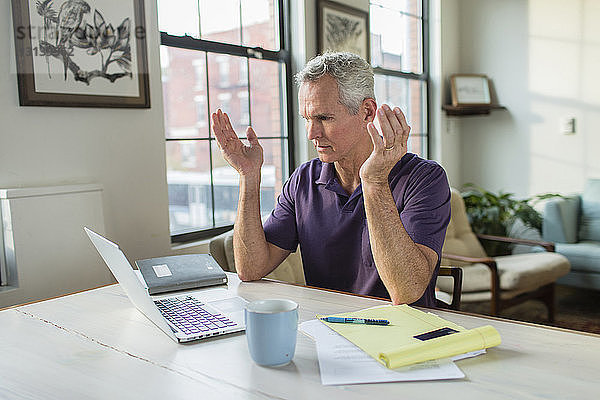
(366, 321)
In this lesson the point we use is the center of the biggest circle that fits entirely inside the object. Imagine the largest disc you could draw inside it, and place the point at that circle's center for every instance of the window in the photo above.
(201, 117)
(399, 56)
(232, 55)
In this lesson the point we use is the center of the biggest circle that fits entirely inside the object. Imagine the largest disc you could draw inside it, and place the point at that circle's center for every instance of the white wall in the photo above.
(444, 61)
(543, 57)
(121, 149)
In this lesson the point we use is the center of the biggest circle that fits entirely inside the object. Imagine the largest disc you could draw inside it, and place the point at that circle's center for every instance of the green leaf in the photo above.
(494, 213)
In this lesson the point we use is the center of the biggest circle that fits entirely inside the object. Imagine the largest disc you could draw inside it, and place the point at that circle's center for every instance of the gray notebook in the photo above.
(189, 271)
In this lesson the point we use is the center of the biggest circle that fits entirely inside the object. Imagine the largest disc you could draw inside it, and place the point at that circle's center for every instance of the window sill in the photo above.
(188, 245)
(8, 288)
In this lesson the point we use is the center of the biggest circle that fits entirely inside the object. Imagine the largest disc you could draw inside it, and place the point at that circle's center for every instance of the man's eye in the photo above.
(324, 118)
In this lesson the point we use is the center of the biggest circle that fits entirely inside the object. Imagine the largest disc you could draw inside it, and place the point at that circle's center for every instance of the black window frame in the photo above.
(424, 76)
(283, 56)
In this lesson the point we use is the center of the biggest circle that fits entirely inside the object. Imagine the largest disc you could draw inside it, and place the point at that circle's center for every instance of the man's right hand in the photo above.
(247, 160)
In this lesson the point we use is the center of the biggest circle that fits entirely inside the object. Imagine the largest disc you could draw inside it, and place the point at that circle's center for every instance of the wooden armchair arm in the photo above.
(490, 263)
(548, 246)
(473, 260)
(456, 274)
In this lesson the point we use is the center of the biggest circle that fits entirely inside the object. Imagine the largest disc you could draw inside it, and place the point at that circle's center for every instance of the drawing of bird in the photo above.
(69, 18)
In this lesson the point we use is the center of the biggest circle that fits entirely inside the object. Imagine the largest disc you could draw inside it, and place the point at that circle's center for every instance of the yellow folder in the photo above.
(395, 346)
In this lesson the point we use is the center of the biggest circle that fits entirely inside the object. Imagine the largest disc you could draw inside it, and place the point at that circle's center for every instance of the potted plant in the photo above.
(494, 214)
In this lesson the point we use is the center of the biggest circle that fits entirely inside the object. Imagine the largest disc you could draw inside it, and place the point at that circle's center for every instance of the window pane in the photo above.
(266, 97)
(220, 21)
(226, 186)
(260, 19)
(178, 17)
(226, 180)
(184, 92)
(188, 177)
(417, 144)
(274, 172)
(417, 106)
(396, 40)
(228, 89)
(409, 95)
(203, 188)
(413, 7)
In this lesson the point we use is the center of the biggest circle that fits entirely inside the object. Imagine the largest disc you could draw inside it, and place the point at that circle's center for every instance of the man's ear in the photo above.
(369, 108)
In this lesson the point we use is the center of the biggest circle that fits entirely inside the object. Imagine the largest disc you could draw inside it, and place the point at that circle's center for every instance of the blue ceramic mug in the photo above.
(271, 329)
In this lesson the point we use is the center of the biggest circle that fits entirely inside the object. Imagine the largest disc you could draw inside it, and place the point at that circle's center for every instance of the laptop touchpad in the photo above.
(229, 305)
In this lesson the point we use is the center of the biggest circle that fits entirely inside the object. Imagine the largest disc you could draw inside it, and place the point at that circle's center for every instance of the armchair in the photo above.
(503, 280)
(290, 270)
(574, 224)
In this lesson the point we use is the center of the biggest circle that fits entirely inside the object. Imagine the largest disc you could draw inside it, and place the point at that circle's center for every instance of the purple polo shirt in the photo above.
(313, 210)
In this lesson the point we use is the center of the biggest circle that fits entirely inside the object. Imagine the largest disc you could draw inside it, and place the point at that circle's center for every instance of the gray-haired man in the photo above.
(370, 218)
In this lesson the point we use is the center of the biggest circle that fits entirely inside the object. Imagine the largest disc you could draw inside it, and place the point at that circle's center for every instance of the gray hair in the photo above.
(353, 75)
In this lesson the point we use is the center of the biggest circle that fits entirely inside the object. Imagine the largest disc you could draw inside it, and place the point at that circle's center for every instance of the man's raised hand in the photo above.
(389, 146)
(247, 160)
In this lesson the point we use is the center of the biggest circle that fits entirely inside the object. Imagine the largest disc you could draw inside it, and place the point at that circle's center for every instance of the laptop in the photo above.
(185, 317)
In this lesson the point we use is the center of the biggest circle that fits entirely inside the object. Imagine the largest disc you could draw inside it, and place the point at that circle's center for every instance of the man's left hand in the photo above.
(389, 146)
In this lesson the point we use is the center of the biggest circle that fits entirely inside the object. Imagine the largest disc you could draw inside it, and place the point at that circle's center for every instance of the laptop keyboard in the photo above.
(188, 314)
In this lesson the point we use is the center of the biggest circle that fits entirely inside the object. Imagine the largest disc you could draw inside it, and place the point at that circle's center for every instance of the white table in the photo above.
(95, 344)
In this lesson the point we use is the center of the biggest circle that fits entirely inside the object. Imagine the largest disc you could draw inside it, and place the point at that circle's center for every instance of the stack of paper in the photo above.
(342, 363)
(355, 353)
(396, 345)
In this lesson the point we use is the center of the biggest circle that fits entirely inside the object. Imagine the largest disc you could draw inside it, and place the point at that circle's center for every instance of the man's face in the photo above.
(336, 134)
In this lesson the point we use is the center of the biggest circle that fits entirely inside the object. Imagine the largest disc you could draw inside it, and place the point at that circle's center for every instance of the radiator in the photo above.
(44, 251)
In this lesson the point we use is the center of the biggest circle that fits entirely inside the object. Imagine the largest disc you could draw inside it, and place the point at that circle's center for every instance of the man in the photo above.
(370, 218)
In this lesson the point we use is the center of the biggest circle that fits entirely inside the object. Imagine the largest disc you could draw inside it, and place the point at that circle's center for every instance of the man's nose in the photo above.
(313, 130)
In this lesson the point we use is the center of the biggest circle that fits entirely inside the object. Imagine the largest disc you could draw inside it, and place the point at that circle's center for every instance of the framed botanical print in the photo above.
(81, 53)
(343, 28)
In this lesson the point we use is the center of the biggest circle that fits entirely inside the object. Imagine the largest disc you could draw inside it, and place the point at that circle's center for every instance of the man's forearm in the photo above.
(251, 249)
(402, 265)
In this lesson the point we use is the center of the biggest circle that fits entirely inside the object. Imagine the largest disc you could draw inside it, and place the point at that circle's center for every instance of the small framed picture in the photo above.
(342, 28)
(81, 53)
(470, 90)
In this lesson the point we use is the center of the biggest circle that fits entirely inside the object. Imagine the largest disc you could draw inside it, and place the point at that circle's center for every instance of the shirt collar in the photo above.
(328, 178)
(327, 174)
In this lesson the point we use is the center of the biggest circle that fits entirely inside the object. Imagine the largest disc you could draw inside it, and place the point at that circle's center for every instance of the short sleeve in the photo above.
(426, 209)
(280, 227)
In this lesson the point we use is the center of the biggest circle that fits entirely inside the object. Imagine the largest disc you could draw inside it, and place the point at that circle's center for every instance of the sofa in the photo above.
(573, 224)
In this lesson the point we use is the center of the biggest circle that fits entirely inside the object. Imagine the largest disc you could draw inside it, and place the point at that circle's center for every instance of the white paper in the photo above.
(468, 355)
(343, 363)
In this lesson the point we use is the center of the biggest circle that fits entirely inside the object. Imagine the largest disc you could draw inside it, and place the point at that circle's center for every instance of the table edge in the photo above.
(276, 281)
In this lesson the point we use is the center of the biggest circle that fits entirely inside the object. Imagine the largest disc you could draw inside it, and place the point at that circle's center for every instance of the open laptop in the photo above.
(185, 317)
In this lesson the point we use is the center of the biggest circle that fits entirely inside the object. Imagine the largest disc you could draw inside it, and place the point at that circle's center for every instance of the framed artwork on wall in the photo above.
(470, 90)
(342, 28)
(81, 53)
